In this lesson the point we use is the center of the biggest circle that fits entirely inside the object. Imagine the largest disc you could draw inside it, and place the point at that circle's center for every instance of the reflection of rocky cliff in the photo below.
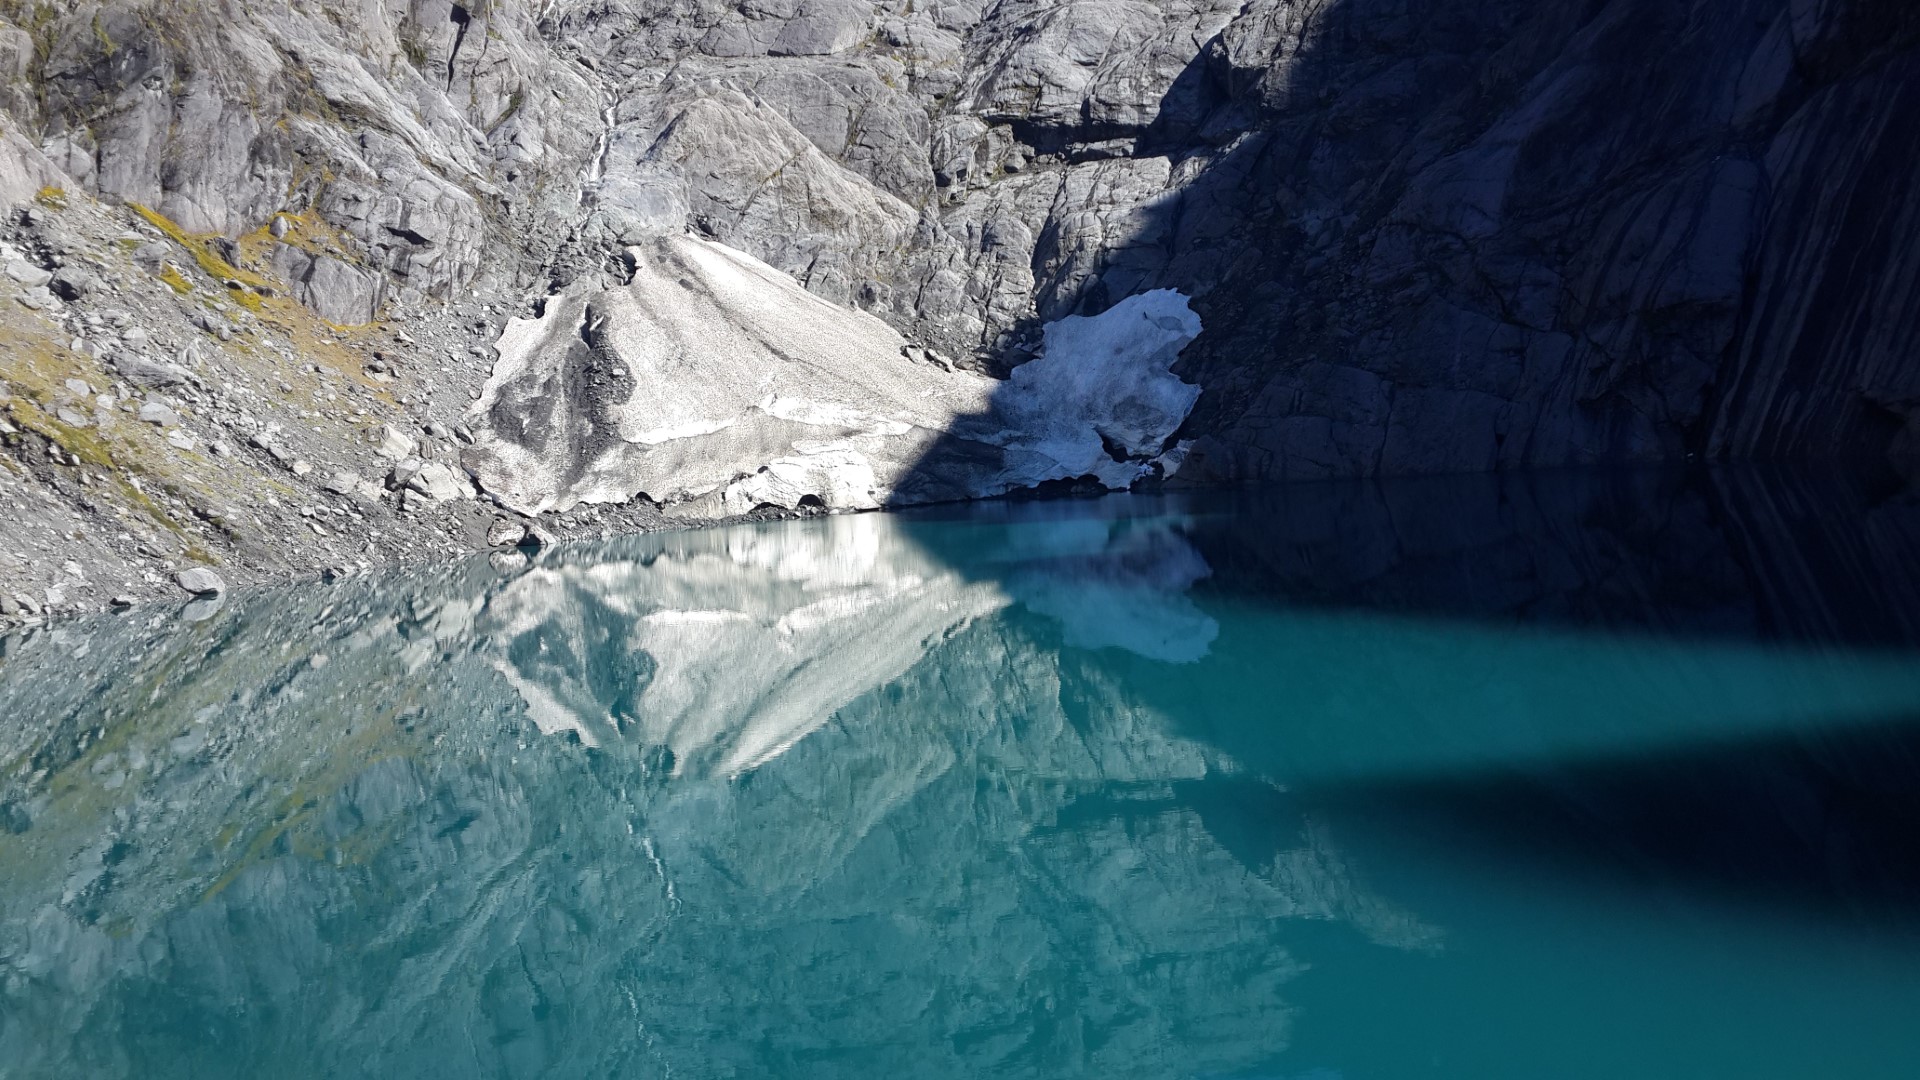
(324, 828)
(1777, 554)
(1436, 625)
(987, 790)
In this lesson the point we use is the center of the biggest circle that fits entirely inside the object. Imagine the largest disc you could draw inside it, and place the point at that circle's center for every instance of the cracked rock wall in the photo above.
(1426, 235)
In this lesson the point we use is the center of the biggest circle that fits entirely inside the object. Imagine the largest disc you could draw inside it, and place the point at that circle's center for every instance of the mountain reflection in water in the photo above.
(1555, 775)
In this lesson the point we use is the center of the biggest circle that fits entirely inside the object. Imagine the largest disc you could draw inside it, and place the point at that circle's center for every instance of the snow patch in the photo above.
(1103, 389)
(749, 391)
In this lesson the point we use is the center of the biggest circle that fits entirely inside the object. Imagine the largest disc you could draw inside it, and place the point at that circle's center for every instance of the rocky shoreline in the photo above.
(158, 424)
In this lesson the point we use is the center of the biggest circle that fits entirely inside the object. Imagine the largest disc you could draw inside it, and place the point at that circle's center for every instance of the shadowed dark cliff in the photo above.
(1466, 236)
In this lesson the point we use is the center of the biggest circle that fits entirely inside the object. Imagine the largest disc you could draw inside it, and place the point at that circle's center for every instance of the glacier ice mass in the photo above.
(1101, 401)
(712, 384)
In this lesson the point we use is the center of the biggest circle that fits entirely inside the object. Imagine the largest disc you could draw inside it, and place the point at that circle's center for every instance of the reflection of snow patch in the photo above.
(733, 644)
(1139, 619)
(1130, 594)
(729, 646)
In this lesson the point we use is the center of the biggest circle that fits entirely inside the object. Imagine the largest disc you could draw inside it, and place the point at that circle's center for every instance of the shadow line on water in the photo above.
(1810, 825)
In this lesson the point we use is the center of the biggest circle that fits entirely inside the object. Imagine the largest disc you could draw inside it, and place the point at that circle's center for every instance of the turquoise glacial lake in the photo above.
(1566, 775)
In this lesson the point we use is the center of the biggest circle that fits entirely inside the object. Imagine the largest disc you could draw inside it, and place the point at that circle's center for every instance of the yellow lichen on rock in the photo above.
(305, 230)
(245, 284)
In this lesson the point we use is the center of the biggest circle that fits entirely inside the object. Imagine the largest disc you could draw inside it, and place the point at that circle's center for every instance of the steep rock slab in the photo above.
(712, 383)
(24, 170)
(432, 148)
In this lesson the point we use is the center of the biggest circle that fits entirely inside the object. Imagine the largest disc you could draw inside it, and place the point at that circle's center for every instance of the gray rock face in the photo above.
(438, 482)
(74, 282)
(1558, 236)
(27, 274)
(336, 291)
(154, 412)
(1426, 235)
(393, 444)
(142, 372)
(344, 482)
(377, 118)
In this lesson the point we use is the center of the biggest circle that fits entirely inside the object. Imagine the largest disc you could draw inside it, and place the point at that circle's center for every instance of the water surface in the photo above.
(1572, 775)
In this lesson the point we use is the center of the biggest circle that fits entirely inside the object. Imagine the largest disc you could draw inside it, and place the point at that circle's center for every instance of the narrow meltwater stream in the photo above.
(597, 167)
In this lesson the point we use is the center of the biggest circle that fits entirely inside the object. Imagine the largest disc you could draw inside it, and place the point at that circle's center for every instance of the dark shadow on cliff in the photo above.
(1432, 236)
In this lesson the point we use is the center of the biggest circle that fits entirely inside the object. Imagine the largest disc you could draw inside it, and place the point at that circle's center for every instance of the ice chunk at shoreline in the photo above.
(1102, 392)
